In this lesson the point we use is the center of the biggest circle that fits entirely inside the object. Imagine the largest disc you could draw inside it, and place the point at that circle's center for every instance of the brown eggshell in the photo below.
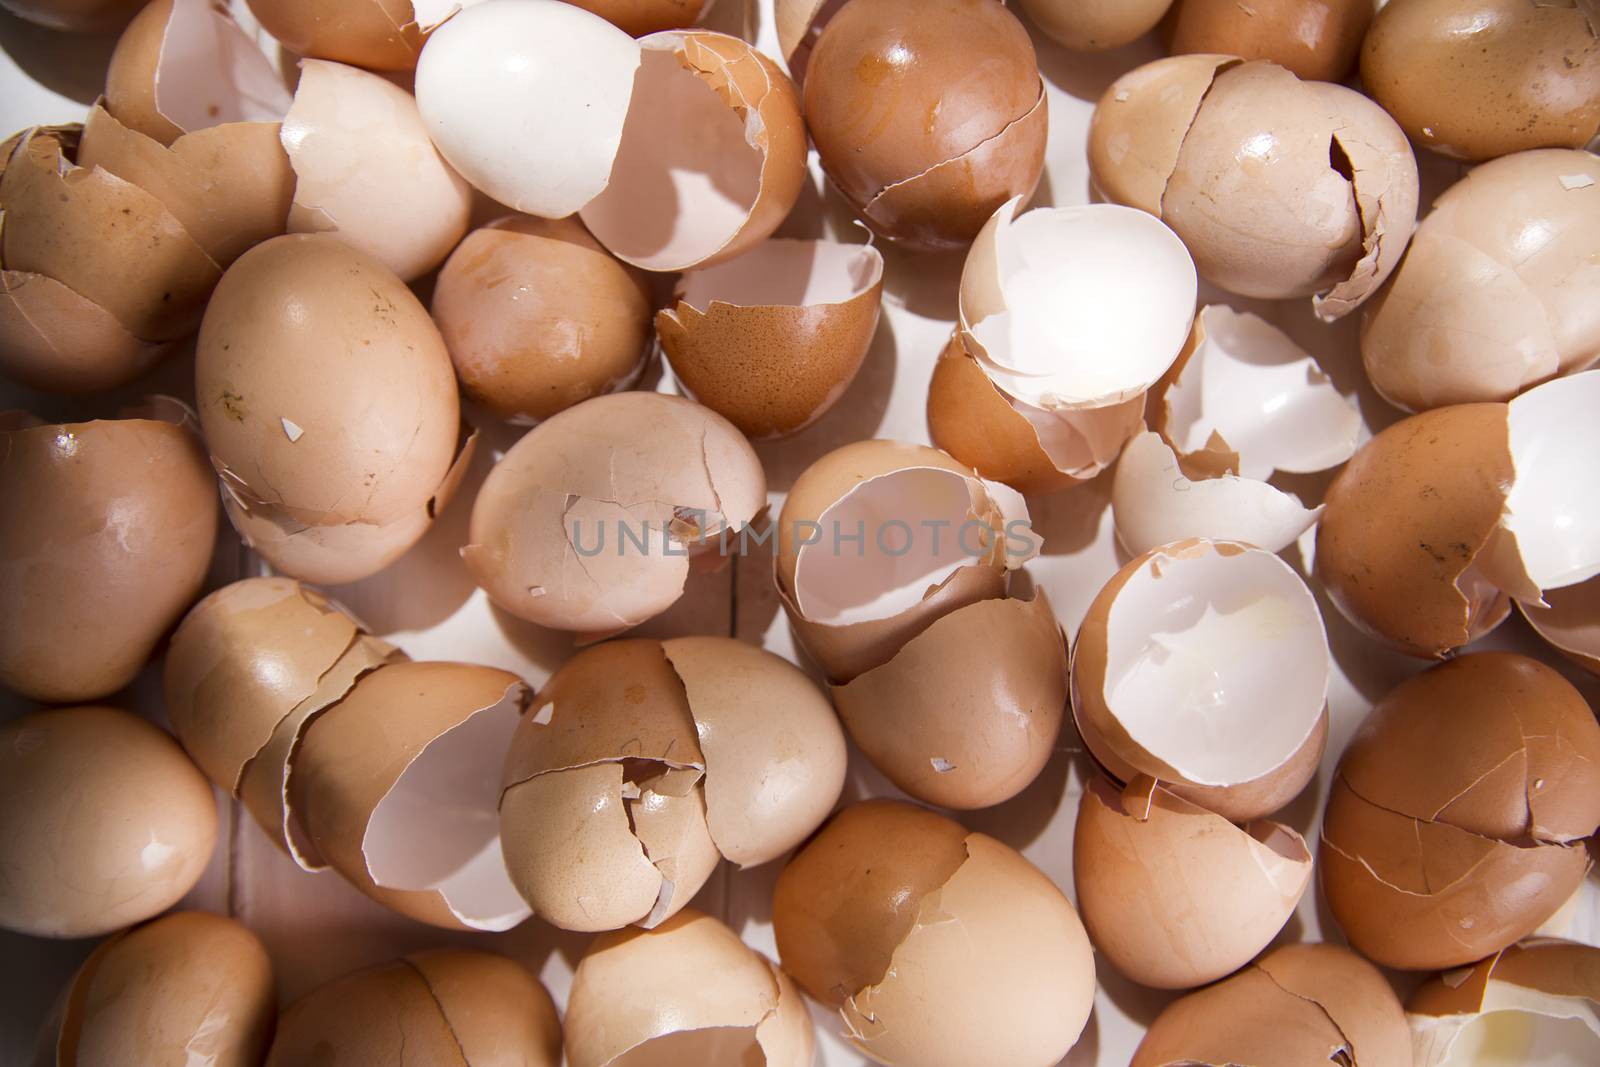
(774, 753)
(1571, 622)
(538, 316)
(188, 986)
(1097, 25)
(772, 339)
(1131, 850)
(55, 340)
(354, 757)
(67, 871)
(375, 34)
(108, 539)
(1499, 290)
(688, 991)
(1317, 39)
(495, 1008)
(131, 75)
(799, 24)
(76, 16)
(924, 157)
(1484, 78)
(104, 238)
(967, 713)
(366, 438)
(1406, 518)
(639, 17)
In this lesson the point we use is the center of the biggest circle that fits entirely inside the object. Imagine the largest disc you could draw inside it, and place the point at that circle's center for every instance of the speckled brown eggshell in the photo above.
(1317, 39)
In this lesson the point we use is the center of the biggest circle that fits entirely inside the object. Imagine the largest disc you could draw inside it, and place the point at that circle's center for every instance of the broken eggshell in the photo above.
(1316, 39)
(1247, 741)
(1499, 290)
(1132, 851)
(1095, 25)
(589, 522)
(445, 1006)
(936, 946)
(637, 18)
(688, 991)
(1570, 622)
(967, 713)
(1456, 821)
(924, 154)
(374, 34)
(394, 784)
(771, 340)
(538, 316)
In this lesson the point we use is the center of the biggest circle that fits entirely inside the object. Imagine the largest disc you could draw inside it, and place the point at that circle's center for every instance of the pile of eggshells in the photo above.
(444, 216)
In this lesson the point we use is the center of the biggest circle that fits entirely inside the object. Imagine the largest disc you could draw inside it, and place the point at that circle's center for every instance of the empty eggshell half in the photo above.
(375, 34)
(1246, 740)
(936, 946)
(1499, 290)
(772, 339)
(1456, 821)
(1297, 1005)
(967, 713)
(366, 172)
(1570, 622)
(395, 786)
(1536, 1002)
(442, 1007)
(639, 17)
(1175, 896)
(688, 991)
(187, 986)
(1095, 25)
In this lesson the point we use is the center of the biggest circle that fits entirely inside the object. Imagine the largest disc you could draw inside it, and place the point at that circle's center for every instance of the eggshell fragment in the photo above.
(53, 339)
(1096, 25)
(926, 156)
(76, 16)
(1455, 824)
(799, 24)
(366, 172)
(108, 535)
(1245, 741)
(394, 788)
(772, 339)
(188, 986)
(538, 316)
(1130, 852)
(1536, 1002)
(1317, 39)
(1499, 290)
(1297, 1005)
(444, 1007)
(936, 946)
(375, 34)
(1570, 622)
(1486, 78)
(66, 870)
(967, 713)
(639, 17)
(588, 522)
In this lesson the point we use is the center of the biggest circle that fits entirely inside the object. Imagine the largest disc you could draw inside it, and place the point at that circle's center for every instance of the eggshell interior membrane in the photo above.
(1076, 307)
(505, 79)
(1570, 621)
(1095, 25)
(785, 273)
(688, 991)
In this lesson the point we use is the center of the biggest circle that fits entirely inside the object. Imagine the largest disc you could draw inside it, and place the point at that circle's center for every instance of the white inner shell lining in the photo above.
(1217, 665)
(781, 273)
(211, 72)
(1518, 1027)
(1553, 508)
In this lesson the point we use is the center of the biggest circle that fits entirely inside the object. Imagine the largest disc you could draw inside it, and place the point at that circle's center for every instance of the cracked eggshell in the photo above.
(922, 152)
(1499, 290)
(1175, 896)
(771, 340)
(374, 34)
(1098, 25)
(637, 18)
(1247, 741)
(306, 441)
(187, 987)
(67, 870)
(1299, 1004)
(967, 713)
(538, 316)
(442, 1008)
(1535, 1002)
(1456, 822)
(1316, 39)
(55, 340)
(688, 991)
(108, 536)
(774, 754)
(1570, 622)
(589, 521)
(76, 16)
(395, 787)
(1404, 525)
(1484, 78)
(936, 946)
(366, 173)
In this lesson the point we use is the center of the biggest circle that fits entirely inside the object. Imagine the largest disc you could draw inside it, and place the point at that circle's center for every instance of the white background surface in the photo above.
(316, 927)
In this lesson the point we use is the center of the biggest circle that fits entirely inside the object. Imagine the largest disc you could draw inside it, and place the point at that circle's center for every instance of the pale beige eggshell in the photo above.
(1175, 896)
(967, 713)
(366, 172)
(496, 1009)
(688, 991)
(53, 339)
(108, 537)
(67, 871)
(76, 16)
(375, 34)
(1570, 622)
(1095, 25)
(188, 986)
